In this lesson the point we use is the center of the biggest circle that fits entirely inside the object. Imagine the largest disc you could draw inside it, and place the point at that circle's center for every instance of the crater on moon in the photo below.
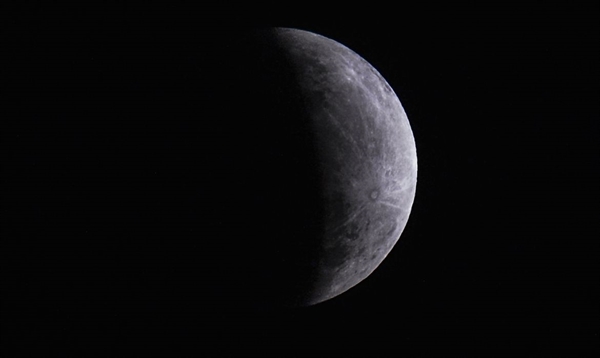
(374, 194)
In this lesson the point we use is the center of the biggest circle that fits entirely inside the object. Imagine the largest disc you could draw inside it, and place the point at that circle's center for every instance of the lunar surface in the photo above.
(366, 158)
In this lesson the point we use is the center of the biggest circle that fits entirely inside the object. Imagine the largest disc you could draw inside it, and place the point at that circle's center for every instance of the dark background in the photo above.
(103, 182)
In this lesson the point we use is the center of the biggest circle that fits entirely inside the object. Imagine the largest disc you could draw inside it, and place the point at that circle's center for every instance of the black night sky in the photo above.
(103, 253)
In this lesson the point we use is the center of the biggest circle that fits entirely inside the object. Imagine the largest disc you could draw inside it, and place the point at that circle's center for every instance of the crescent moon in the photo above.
(367, 157)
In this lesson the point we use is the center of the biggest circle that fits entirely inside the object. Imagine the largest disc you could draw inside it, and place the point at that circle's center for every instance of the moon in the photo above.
(366, 158)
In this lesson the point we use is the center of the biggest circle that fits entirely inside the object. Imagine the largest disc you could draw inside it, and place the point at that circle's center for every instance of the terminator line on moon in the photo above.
(367, 156)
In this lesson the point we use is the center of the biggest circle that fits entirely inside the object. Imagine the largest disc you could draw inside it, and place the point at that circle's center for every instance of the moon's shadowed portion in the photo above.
(274, 199)
(256, 210)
